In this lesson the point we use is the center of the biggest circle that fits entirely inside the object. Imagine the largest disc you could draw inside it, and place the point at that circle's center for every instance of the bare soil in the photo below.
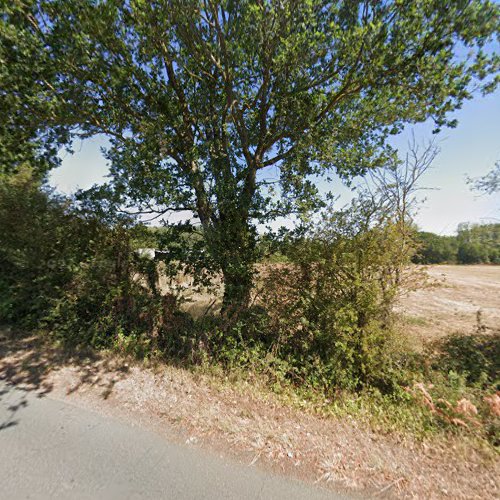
(251, 425)
(457, 299)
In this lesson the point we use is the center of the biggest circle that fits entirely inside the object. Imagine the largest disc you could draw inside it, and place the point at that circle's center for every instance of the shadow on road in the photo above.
(27, 361)
(10, 408)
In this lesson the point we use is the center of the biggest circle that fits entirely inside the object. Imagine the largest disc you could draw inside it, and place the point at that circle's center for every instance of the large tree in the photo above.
(205, 100)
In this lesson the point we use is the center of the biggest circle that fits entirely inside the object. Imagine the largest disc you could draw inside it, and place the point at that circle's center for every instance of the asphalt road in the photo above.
(50, 449)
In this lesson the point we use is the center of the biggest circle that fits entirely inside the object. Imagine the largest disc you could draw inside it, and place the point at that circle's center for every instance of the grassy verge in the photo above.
(448, 391)
(363, 440)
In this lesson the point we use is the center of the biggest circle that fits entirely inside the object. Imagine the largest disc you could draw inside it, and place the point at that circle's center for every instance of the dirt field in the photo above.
(456, 299)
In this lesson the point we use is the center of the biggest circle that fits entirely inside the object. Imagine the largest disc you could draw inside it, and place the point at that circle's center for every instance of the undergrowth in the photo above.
(320, 332)
(437, 394)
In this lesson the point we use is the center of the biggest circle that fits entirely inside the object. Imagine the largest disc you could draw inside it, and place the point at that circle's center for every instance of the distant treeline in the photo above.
(473, 244)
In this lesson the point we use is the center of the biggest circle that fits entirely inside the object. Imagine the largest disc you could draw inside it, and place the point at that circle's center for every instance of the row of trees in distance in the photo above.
(473, 244)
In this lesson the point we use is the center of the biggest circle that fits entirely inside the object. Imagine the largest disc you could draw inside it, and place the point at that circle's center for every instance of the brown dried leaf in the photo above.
(459, 422)
(427, 398)
(465, 407)
(493, 403)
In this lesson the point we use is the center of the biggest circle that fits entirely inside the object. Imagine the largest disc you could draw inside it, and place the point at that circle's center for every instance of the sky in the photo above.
(471, 150)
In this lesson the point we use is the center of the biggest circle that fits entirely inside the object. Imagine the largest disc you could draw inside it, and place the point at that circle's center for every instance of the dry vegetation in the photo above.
(454, 300)
(244, 420)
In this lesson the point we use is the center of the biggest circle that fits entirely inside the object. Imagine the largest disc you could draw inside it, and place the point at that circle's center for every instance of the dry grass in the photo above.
(245, 421)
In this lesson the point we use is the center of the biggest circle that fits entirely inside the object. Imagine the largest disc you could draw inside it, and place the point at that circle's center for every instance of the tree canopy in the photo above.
(213, 106)
(473, 244)
(29, 105)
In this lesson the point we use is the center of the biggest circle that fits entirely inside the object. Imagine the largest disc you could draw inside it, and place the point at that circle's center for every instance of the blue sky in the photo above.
(470, 149)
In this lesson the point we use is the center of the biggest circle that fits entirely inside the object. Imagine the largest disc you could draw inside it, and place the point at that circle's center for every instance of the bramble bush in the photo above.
(475, 357)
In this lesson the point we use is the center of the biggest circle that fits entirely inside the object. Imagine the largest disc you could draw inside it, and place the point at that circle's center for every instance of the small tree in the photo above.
(204, 99)
(394, 191)
(331, 315)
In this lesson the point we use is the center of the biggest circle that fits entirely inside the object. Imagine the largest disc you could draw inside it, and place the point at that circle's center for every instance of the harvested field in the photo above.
(456, 299)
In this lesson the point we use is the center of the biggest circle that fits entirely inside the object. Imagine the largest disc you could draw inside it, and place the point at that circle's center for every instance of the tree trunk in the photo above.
(230, 236)
(233, 245)
(238, 282)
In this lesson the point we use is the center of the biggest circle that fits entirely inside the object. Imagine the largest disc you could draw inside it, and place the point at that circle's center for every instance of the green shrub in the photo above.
(330, 310)
(102, 299)
(65, 270)
(475, 357)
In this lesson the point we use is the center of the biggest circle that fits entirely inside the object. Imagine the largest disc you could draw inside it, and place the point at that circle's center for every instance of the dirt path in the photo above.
(452, 301)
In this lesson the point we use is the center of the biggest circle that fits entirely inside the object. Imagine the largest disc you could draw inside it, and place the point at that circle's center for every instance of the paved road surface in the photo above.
(50, 449)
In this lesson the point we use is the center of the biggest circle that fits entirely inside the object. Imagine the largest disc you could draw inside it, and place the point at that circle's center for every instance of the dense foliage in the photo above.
(27, 133)
(66, 271)
(478, 243)
(41, 244)
(332, 315)
(436, 249)
(473, 244)
(212, 107)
